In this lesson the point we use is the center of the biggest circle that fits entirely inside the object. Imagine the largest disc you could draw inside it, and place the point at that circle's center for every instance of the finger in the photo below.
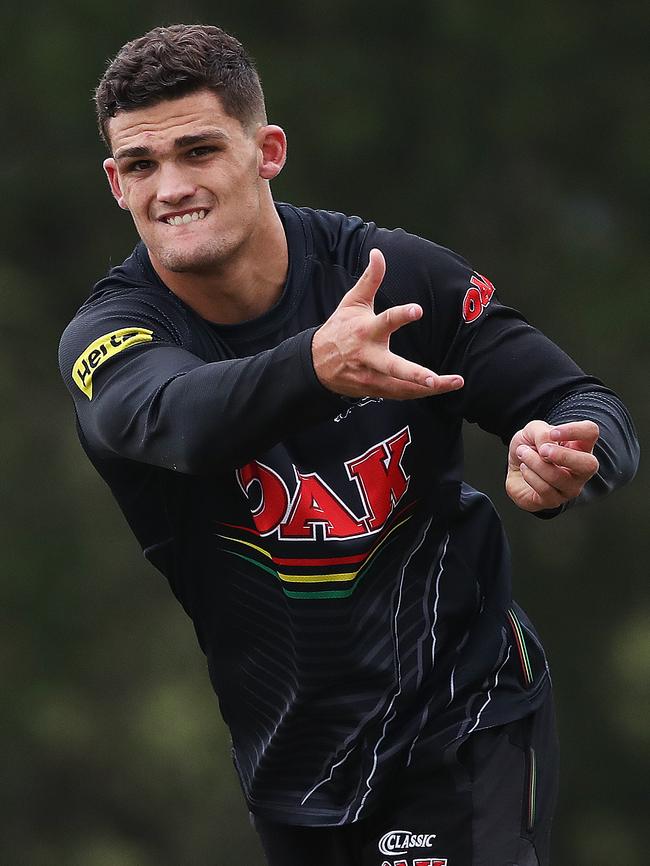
(549, 497)
(380, 385)
(580, 463)
(556, 476)
(517, 440)
(391, 320)
(582, 431)
(365, 289)
(387, 363)
(541, 433)
(371, 383)
(561, 479)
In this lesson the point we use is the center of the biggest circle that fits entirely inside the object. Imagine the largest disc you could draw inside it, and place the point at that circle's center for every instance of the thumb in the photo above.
(365, 289)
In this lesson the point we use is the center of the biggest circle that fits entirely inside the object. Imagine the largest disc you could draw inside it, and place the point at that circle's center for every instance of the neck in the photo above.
(243, 286)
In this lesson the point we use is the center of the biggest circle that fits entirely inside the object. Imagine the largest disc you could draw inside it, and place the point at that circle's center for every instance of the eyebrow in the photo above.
(204, 137)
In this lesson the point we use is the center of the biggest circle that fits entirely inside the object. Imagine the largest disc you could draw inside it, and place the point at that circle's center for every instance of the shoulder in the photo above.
(347, 241)
(330, 236)
(442, 280)
(132, 289)
(126, 308)
(419, 264)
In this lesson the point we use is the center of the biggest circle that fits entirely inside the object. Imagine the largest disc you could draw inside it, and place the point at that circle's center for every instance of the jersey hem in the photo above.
(331, 818)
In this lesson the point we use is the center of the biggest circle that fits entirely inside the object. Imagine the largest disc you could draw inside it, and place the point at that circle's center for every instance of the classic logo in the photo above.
(378, 475)
(101, 350)
(477, 297)
(397, 842)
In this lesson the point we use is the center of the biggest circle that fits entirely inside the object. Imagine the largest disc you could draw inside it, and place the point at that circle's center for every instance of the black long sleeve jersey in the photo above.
(351, 594)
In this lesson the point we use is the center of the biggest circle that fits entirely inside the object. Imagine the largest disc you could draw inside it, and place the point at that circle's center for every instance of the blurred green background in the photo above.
(514, 133)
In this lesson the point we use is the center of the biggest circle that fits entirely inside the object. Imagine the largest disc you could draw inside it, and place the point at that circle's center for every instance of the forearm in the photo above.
(209, 417)
(617, 448)
(581, 448)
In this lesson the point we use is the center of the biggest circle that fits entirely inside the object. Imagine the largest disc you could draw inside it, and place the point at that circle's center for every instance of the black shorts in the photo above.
(490, 805)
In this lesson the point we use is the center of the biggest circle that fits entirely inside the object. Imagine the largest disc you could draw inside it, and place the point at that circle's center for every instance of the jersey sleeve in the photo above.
(513, 373)
(140, 394)
(617, 448)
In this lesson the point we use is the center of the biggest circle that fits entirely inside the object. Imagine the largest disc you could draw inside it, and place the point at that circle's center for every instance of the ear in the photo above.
(110, 167)
(272, 144)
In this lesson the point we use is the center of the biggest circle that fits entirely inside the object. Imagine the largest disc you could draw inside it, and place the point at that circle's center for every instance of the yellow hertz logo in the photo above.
(103, 349)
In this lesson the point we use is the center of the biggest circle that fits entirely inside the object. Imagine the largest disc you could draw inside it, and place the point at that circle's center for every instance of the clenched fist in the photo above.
(548, 466)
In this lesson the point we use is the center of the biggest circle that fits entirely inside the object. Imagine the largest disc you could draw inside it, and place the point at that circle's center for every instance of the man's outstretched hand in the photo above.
(351, 351)
(548, 466)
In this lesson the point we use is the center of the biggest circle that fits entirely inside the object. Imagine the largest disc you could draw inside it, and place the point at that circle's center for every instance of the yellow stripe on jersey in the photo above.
(100, 350)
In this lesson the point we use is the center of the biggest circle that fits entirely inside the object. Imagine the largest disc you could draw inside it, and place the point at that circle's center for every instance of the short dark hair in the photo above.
(169, 62)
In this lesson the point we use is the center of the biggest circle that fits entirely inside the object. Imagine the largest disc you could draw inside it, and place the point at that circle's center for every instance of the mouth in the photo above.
(184, 217)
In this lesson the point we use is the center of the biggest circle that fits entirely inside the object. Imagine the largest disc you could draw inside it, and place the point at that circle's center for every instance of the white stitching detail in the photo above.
(388, 719)
(425, 713)
(489, 694)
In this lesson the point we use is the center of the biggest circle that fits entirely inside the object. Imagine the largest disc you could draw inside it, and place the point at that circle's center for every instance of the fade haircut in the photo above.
(169, 62)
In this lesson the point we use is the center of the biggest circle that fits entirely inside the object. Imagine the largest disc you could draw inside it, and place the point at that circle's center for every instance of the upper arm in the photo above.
(150, 399)
(115, 361)
(512, 371)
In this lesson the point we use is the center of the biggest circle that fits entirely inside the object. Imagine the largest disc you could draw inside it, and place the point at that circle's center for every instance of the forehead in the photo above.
(157, 126)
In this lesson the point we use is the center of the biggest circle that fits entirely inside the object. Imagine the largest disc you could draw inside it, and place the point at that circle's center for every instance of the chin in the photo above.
(187, 261)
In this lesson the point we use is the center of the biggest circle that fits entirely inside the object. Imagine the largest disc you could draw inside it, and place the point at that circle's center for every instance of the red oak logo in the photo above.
(378, 474)
(477, 297)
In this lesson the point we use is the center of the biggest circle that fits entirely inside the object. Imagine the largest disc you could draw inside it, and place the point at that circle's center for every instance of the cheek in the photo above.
(137, 197)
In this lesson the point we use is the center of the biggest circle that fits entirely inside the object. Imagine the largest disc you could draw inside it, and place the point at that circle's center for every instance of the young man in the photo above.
(275, 396)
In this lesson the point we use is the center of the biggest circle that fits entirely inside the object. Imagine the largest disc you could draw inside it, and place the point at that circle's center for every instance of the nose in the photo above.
(173, 184)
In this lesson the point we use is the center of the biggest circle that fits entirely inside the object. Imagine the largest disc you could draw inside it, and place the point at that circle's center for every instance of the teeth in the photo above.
(186, 218)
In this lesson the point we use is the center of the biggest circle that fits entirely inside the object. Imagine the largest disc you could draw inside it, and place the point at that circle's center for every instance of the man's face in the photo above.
(191, 177)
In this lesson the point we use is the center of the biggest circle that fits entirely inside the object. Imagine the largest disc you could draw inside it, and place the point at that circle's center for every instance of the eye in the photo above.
(203, 150)
(139, 165)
